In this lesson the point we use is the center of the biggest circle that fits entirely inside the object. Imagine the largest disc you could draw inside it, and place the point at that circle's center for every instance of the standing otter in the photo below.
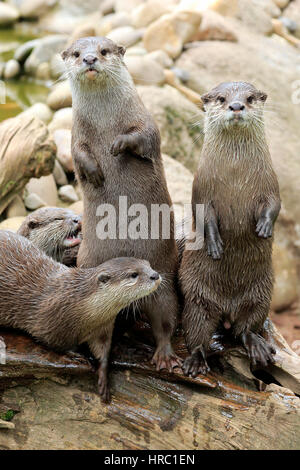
(55, 231)
(239, 189)
(62, 307)
(116, 152)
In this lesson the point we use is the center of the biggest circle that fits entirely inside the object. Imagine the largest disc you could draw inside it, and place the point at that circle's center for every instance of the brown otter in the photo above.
(63, 307)
(55, 231)
(116, 152)
(239, 189)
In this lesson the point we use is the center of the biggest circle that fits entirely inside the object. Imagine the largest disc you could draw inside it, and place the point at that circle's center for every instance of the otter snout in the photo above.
(236, 106)
(155, 276)
(90, 59)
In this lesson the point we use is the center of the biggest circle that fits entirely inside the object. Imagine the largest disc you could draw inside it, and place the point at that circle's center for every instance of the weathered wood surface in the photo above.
(26, 151)
(55, 405)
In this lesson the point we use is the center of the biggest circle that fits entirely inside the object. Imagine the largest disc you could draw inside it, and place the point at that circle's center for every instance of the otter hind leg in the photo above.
(199, 324)
(100, 348)
(162, 310)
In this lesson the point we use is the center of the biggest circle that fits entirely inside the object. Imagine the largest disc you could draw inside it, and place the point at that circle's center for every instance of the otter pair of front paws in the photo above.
(127, 143)
(264, 227)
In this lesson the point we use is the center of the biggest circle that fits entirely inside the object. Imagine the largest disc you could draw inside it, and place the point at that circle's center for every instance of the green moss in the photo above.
(8, 415)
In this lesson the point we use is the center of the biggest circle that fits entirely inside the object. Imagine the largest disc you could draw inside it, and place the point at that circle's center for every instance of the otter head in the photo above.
(233, 105)
(55, 231)
(93, 60)
(123, 280)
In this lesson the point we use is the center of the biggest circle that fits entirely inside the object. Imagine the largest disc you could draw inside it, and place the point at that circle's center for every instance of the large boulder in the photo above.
(8, 14)
(177, 119)
(42, 52)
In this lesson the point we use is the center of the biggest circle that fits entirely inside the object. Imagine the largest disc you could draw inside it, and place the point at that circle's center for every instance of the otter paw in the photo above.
(215, 248)
(259, 351)
(92, 174)
(103, 388)
(123, 143)
(264, 228)
(165, 358)
(195, 364)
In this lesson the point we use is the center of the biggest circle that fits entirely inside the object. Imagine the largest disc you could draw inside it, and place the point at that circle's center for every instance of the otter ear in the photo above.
(64, 55)
(103, 278)
(121, 50)
(262, 96)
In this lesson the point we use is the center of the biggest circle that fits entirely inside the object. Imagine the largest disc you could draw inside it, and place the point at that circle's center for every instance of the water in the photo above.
(22, 92)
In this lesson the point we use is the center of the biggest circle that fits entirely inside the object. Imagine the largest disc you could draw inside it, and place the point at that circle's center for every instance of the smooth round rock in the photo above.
(12, 69)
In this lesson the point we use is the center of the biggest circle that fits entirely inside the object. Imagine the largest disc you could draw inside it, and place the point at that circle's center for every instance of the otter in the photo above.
(230, 279)
(55, 231)
(63, 307)
(116, 152)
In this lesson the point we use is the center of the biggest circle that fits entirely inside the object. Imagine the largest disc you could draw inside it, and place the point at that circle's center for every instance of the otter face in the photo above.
(55, 231)
(234, 104)
(93, 59)
(129, 278)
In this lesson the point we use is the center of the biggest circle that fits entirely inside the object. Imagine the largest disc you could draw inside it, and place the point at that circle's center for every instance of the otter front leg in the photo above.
(143, 143)
(199, 325)
(267, 217)
(87, 167)
(258, 350)
(213, 239)
(100, 348)
(162, 313)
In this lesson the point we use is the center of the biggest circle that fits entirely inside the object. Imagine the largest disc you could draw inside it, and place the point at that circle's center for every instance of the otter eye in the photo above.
(134, 275)
(250, 99)
(221, 99)
(104, 52)
(76, 54)
(33, 224)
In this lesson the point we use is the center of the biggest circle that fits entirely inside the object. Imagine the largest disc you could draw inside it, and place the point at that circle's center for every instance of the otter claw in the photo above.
(195, 364)
(258, 350)
(166, 360)
(264, 228)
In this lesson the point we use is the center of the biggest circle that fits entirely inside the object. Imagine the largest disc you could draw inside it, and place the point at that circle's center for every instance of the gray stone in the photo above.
(68, 194)
(12, 69)
(43, 51)
(8, 14)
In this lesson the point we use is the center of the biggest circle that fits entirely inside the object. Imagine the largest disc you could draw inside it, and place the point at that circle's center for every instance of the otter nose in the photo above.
(237, 106)
(89, 59)
(154, 276)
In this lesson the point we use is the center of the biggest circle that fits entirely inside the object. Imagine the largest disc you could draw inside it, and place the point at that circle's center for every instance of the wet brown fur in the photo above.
(236, 182)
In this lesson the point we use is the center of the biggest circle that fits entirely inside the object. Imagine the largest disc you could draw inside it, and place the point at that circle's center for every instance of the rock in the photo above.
(44, 188)
(107, 6)
(171, 32)
(225, 7)
(34, 8)
(125, 35)
(289, 24)
(77, 207)
(57, 66)
(207, 65)
(148, 12)
(286, 287)
(135, 51)
(27, 151)
(62, 139)
(145, 71)
(214, 27)
(68, 194)
(127, 5)
(62, 119)
(40, 111)
(8, 14)
(162, 58)
(59, 174)
(60, 96)
(281, 30)
(33, 202)
(180, 182)
(174, 115)
(16, 208)
(43, 71)
(281, 3)
(293, 13)
(257, 15)
(13, 223)
(181, 74)
(113, 21)
(82, 31)
(24, 50)
(43, 51)
(12, 69)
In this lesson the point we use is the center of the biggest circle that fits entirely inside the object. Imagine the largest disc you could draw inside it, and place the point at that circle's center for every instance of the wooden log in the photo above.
(26, 151)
